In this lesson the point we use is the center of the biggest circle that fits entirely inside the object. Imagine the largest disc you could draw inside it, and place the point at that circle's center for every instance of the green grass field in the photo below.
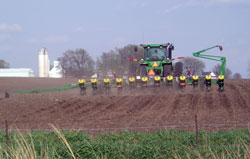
(132, 145)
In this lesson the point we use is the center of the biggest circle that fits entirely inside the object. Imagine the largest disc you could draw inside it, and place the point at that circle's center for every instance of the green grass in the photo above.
(160, 144)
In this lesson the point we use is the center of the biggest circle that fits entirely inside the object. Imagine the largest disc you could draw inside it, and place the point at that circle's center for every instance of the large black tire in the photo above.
(167, 69)
(178, 69)
(143, 70)
(132, 69)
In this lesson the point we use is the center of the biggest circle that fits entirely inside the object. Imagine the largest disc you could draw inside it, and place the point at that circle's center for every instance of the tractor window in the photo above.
(155, 54)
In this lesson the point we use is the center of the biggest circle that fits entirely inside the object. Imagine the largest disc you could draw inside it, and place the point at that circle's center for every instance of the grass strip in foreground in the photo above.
(136, 145)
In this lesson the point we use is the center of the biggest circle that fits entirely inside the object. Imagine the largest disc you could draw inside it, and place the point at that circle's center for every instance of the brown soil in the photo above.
(132, 110)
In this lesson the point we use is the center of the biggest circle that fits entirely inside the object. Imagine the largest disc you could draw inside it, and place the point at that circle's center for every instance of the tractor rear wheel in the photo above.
(167, 70)
(178, 69)
(143, 70)
(132, 69)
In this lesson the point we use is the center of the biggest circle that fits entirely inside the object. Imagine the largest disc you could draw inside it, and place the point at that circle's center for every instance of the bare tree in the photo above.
(77, 63)
(4, 64)
(237, 76)
(117, 60)
(108, 62)
(130, 52)
(216, 70)
(195, 65)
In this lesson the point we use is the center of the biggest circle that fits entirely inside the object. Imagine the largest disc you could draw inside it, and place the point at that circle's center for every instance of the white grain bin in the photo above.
(44, 64)
(56, 71)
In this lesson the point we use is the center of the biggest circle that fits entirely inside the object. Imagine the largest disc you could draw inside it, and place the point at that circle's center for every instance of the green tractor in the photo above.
(158, 61)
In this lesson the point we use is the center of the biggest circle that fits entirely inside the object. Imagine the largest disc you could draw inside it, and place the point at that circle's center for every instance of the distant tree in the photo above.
(108, 62)
(117, 60)
(228, 73)
(237, 76)
(216, 70)
(130, 52)
(195, 65)
(4, 64)
(77, 63)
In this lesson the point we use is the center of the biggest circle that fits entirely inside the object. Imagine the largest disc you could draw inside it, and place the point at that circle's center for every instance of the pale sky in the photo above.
(97, 26)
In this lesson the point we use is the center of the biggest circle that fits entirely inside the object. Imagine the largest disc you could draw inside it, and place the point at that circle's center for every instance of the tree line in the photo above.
(78, 63)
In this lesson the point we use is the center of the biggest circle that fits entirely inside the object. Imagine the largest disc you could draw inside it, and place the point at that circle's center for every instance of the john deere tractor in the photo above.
(158, 60)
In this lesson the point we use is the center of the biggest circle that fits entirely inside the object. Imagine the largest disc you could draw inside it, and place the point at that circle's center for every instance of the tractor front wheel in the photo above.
(167, 70)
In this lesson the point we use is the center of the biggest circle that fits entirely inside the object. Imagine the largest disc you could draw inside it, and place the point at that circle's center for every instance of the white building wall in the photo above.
(44, 63)
(16, 72)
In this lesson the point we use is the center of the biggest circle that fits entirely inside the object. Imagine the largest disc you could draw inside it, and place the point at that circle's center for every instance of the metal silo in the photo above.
(56, 71)
(44, 64)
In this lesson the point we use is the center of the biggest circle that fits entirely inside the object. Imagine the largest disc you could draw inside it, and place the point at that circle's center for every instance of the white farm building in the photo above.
(16, 72)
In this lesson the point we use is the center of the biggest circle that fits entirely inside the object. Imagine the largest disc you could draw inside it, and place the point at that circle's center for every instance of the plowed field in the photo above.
(131, 110)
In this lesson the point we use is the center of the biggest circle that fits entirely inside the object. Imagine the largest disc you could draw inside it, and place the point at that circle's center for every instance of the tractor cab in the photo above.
(157, 52)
